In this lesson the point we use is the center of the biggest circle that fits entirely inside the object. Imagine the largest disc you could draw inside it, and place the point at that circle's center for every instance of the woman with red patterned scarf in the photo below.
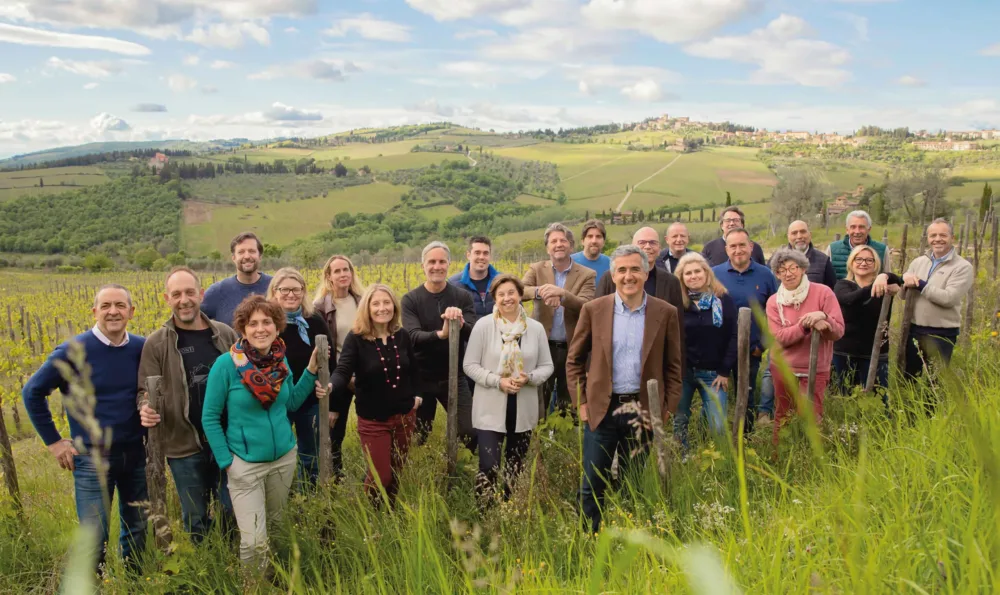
(251, 387)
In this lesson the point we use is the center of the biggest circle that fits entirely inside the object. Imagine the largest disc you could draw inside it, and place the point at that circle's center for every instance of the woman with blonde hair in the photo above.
(336, 300)
(379, 356)
(710, 346)
(302, 326)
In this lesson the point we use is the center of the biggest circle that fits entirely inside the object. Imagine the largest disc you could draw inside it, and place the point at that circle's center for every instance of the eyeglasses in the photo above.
(732, 220)
(296, 291)
(642, 243)
(792, 268)
(864, 260)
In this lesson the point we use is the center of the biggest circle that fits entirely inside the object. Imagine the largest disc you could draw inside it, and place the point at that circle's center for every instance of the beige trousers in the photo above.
(259, 492)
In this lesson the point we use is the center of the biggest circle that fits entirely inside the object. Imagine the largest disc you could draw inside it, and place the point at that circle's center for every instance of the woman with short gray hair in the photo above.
(797, 310)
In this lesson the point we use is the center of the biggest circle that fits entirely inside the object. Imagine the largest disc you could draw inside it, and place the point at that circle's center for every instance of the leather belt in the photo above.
(625, 397)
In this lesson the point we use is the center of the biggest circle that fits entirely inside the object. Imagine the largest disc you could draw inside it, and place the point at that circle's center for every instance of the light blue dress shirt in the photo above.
(626, 347)
(558, 323)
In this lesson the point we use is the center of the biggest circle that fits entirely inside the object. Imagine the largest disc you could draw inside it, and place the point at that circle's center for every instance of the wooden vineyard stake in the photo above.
(904, 333)
(902, 249)
(323, 418)
(996, 255)
(656, 417)
(7, 465)
(813, 356)
(970, 305)
(743, 372)
(156, 472)
(454, 327)
(881, 329)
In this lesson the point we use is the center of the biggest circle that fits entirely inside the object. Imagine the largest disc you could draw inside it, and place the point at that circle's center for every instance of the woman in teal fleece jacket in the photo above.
(252, 385)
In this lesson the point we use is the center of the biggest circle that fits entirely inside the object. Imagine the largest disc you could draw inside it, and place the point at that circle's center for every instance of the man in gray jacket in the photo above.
(182, 352)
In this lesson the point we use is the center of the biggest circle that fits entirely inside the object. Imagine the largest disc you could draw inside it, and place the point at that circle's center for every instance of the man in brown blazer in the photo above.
(630, 337)
(558, 288)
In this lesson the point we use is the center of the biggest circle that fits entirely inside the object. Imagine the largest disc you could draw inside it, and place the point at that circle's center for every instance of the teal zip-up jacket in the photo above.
(252, 433)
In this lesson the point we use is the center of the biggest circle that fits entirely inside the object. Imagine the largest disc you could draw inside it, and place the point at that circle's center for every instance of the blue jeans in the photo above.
(614, 433)
(307, 434)
(125, 471)
(713, 404)
(199, 480)
(766, 390)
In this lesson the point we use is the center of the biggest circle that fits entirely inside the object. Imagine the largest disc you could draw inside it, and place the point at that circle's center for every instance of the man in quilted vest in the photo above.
(859, 226)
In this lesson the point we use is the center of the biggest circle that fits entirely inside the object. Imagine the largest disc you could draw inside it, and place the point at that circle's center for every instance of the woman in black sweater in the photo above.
(303, 325)
(860, 296)
(710, 344)
(379, 356)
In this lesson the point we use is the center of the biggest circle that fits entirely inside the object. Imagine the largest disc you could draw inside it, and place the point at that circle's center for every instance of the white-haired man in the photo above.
(859, 226)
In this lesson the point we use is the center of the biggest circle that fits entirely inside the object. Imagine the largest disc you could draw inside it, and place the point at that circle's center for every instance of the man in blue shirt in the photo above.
(222, 298)
(113, 356)
(748, 283)
(477, 275)
(594, 237)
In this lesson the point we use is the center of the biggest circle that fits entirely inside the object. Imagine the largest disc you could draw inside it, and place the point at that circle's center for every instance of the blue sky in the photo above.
(75, 71)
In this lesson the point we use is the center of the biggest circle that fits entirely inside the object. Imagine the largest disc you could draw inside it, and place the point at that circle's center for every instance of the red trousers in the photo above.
(386, 442)
(784, 402)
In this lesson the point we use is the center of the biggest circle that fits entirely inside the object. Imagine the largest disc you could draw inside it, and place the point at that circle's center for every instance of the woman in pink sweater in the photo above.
(793, 314)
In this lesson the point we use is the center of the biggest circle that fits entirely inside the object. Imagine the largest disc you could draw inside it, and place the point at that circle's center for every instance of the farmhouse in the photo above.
(946, 145)
(842, 204)
(158, 161)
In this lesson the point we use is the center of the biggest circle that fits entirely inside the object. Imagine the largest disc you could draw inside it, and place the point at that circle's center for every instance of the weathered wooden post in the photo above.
(813, 356)
(881, 329)
(656, 417)
(902, 248)
(970, 223)
(996, 253)
(323, 417)
(961, 240)
(742, 371)
(453, 343)
(41, 334)
(904, 332)
(7, 466)
(10, 322)
(156, 472)
(970, 306)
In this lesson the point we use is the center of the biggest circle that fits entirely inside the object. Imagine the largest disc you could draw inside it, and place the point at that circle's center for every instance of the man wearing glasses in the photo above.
(715, 251)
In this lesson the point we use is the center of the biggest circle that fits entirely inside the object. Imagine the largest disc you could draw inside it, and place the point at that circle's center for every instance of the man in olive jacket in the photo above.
(182, 352)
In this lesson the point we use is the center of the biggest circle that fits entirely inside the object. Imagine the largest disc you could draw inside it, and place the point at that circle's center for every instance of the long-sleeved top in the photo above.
(376, 399)
(715, 253)
(422, 312)
(861, 312)
(939, 304)
(222, 298)
(252, 433)
(820, 267)
(579, 285)
(753, 286)
(298, 353)
(482, 364)
(479, 291)
(794, 340)
(710, 347)
(666, 259)
(839, 251)
(114, 375)
(627, 331)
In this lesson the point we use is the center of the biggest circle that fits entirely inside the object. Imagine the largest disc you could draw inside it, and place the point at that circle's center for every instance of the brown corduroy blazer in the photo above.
(661, 357)
(580, 286)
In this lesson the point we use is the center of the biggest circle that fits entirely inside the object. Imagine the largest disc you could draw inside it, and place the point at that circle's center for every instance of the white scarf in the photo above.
(511, 360)
(792, 297)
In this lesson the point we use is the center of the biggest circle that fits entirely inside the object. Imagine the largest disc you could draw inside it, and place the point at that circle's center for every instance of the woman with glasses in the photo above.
(302, 325)
(794, 313)
(860, 296)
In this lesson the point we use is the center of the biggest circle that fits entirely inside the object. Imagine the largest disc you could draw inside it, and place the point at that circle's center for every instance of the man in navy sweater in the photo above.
(222, 298)
(113, 356)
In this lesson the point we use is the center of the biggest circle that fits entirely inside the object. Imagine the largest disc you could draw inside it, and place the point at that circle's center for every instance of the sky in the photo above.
(75, 71)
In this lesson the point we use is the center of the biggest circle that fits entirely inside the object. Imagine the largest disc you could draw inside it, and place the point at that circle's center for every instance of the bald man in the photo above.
(677, 240)
(660, 283)
(820, 267)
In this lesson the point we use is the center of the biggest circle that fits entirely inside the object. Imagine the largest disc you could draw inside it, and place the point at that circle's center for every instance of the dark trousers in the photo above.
(307, 437)
(199, 481)
(926, 344)
(428, 410)
(337, 433)
(511, 444)
(557, 382)
(615, 433)
(125, 471)
(753, 399)
(850, 371)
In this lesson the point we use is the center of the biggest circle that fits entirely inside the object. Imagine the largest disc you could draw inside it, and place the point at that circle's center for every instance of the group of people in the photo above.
(238, 409)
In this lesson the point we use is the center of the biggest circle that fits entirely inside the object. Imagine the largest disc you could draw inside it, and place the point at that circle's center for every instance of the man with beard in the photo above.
(820, 267)
(677, 240)
(715, 252)
(222, 298)
(594, 237)
(182, 352)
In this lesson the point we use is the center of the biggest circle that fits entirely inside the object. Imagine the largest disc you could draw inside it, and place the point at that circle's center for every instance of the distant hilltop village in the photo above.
(939, 141)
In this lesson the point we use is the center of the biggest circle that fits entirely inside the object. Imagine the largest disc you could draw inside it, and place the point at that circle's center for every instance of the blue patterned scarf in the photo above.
(297, 319)
(706, 300)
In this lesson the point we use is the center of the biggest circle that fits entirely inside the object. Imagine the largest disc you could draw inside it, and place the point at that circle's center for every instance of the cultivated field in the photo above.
(52, 180)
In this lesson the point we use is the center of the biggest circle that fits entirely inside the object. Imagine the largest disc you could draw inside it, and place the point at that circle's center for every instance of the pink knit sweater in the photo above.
(794, 339)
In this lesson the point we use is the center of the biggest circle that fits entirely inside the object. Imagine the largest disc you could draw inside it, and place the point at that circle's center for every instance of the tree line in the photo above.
(95, 158)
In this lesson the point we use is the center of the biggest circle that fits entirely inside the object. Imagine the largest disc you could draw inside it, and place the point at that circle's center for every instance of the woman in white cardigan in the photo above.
(508, 358)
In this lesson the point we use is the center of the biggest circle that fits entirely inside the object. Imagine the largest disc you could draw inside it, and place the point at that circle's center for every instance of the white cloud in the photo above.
(149, 108)
(993, 50)
(222, 64)
(180, 83)
(229, 35)
(105, 122)
(670, 21)
(29, 36)
(191, 60)
(782, 53)
(593, 79)
(7, 78)
(475, 34)
(452, 10)
(320, 69)
(369, 27)
(646, 90)
(287, 113)
(290, 30)
(91, 86)
(83, 68)
(910, 81)
(482, 74)
(549, 44)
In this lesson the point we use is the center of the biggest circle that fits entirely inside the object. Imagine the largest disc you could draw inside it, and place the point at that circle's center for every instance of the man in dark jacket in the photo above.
(715, 251)
(677, 240)
(820, 267)
(477, 275)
